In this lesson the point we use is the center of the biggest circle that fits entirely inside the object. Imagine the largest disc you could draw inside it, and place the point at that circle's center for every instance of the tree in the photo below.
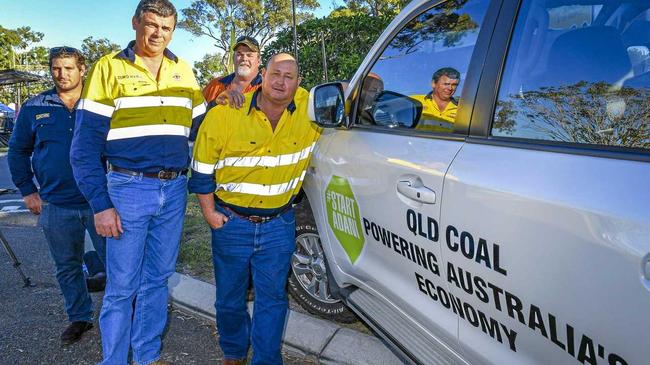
(344, 52)
(14, 54)
(94, 49)
(208, 68)
(376, 8)
(224, 20)
(13, 40)
(448, 26)
(593, 113)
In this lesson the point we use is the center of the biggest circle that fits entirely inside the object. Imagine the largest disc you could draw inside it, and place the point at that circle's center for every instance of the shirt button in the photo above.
(69, 116)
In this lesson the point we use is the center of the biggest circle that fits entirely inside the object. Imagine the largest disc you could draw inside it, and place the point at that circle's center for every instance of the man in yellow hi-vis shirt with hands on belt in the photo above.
(254, 159)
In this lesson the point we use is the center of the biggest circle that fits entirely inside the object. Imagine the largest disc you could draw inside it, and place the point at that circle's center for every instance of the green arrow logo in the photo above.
(343, 216)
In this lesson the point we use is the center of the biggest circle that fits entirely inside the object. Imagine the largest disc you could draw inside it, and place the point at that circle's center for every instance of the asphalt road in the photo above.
(31, 319)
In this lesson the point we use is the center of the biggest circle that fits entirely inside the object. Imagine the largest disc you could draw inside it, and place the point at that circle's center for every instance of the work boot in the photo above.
(96, 283)
(234, 362)
(74, 332)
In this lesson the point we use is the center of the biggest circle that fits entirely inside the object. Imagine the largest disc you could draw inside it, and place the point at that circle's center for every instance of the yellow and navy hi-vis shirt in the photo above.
(433, 119)
(239, 157)
(134, 120)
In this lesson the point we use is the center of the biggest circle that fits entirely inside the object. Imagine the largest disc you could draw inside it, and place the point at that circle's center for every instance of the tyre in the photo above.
(308, 280)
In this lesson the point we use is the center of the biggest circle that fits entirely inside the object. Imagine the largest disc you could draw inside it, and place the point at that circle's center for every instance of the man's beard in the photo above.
(243, 71)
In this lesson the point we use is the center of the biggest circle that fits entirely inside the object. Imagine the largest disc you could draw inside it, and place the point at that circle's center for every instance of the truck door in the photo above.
(545, 217)
(381, 179)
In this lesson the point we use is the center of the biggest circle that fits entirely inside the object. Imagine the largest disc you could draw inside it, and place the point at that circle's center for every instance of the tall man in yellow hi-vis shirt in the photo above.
(137, 110)
(254, 159)
(439, 107)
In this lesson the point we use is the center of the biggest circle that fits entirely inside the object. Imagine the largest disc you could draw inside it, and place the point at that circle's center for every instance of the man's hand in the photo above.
(108, 224)
(234, 98)
(215, 219)
(34, 203)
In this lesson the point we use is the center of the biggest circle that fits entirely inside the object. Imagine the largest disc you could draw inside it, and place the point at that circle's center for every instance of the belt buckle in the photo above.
(256, 219)
(167, 175)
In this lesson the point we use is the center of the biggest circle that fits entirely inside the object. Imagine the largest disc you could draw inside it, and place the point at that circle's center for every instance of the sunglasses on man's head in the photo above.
(56, 51)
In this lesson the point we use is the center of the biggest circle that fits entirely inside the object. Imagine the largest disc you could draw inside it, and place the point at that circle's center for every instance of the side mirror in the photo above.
(395, 110)
(326, 105)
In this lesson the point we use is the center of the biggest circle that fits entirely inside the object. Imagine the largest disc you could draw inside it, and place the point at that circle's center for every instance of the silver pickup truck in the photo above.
(481, 191)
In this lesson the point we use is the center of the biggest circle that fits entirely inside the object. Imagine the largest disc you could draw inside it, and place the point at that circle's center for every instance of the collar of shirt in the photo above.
(227, 80)
(129, 54)
(291, 107)
(429, 96)
(52, 97)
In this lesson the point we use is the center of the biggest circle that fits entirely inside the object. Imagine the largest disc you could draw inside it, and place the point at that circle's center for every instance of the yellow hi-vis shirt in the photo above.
(253, 165)
(133, 119)
(433, 119)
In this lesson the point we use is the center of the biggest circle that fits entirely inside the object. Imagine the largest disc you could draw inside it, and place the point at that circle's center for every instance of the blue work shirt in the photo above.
(43, 132)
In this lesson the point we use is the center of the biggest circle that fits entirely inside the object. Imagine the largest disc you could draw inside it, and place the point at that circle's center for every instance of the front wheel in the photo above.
(308, 281)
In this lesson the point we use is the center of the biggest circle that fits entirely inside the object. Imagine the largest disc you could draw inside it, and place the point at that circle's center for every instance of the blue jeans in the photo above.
(138, 265)
(65, 232)
(241, 249)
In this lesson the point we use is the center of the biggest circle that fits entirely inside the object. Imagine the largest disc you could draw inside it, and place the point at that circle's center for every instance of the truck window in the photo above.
(425, 63)
(578, 74)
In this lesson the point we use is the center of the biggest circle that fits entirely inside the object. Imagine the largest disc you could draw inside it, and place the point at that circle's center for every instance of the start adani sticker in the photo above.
(343, 216)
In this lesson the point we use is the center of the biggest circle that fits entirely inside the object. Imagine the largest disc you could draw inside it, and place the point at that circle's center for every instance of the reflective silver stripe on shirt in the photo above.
(203, 168)
(95, 107)
(198, 110)
(266, 161)
(148, 130)
(262, 189)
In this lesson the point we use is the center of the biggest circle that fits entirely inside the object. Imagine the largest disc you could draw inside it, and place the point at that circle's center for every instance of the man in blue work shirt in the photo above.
(137, 110)
(43, 132)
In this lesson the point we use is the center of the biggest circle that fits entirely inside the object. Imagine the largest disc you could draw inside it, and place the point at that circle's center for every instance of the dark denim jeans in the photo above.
(139, 263)
(241, 249)
(65, 232)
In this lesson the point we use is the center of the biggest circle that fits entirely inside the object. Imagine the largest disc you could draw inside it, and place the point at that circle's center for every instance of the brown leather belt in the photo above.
(162, 174)
(254, 218)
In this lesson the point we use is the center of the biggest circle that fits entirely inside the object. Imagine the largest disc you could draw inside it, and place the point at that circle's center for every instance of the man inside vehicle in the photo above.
(439, 106)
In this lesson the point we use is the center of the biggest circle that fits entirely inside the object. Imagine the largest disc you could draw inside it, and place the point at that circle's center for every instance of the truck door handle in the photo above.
(413, 188)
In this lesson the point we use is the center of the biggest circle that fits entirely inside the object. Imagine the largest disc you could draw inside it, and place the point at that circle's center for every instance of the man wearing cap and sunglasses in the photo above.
(137, 110)
(40, 146)
(230, 89)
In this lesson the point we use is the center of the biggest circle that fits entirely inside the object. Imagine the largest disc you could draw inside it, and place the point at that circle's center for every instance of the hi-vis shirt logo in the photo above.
(343, 216)
(128, 77)
(43, 115)
(176, 77)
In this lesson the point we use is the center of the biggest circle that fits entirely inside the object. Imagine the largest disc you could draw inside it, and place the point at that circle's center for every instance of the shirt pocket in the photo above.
(135, 87)
(243, 148)
(46, 130)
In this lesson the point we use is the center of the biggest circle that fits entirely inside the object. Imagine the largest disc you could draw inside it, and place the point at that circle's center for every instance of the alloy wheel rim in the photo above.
(309, 268)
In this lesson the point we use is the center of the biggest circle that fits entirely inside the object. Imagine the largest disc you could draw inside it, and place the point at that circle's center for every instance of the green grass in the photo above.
(195, 257)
